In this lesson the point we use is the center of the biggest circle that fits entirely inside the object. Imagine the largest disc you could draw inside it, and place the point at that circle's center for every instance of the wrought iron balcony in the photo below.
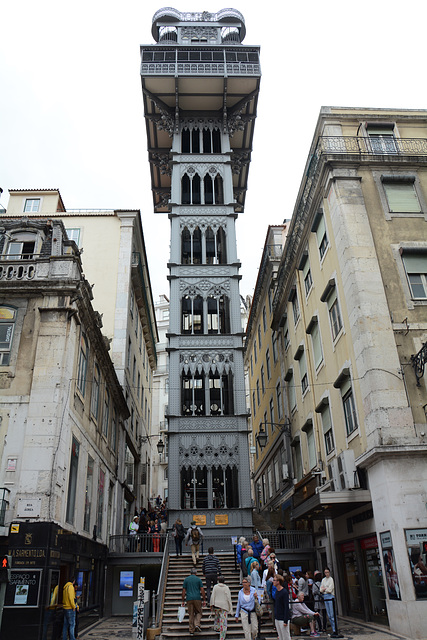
(206, 62)
(383, 145)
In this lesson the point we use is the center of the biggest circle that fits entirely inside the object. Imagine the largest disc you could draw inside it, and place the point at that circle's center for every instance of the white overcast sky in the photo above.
(71, 110)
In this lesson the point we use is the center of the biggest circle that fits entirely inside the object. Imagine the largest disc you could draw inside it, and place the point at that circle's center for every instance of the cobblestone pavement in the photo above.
(120, 627)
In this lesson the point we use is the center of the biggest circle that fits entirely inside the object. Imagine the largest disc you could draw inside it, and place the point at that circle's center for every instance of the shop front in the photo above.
(363, 584)
(44, 558)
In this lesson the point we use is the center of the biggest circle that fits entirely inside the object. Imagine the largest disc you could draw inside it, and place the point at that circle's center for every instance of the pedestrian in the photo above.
(257, 547)
(301, 582)
(319, 604)
(69, 607)
(133, 530)
(156, 529)
(194, 594)
(178, 533)
(246, 609)
(239, 547)
(244, 555)
(281, 608)
(309, 579)
(301, 615)
(221, 606)
(76, 626)
(211, 571)
(266, 551)
(327, 589)
(267, 579)
(255, 577)
(273, 558)
(249, 560)
(195, 535)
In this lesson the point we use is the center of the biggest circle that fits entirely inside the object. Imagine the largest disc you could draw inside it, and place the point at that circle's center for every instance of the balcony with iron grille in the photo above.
(202, 61)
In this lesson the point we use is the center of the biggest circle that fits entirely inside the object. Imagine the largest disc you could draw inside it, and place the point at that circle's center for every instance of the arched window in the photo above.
(220, 393)
(186, 246)
(216, 141)
(219, 190)
(194, 488)
(196, 194)
(7, 327)
(215, 246)
(218, 314)
(185, 141)
(192, 315)
(232, 484)
(208, 189)
(193, 394)
(197, 246)
(207, 141)
(185, 190)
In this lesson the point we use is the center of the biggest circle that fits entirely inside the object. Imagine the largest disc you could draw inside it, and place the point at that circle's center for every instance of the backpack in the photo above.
(195, 535)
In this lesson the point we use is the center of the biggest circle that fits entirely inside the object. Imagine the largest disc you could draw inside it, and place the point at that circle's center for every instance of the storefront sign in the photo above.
(347, 546)
(28, 557)
(391, 576)
(221, 519)
(200, 520)
(23, 589)
(369, 543)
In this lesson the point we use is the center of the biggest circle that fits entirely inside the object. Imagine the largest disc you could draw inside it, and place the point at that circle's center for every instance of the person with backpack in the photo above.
(194, 535)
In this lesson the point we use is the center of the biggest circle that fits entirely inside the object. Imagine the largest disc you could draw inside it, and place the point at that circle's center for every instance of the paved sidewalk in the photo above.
(120, 627)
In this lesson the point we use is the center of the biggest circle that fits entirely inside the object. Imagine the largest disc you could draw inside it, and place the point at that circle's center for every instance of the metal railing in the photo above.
(139, 543)
(161, 589)
(382, 145)
(288, 540)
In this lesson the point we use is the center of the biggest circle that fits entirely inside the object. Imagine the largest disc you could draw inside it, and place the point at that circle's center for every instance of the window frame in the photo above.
(10, 324)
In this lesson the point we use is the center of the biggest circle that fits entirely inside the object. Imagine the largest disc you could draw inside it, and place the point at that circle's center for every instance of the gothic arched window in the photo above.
(193, 394)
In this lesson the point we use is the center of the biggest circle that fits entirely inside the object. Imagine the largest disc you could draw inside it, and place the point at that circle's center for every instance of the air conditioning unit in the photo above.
(342, 472)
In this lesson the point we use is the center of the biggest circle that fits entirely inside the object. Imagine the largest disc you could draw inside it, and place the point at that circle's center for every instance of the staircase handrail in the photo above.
(161, 589)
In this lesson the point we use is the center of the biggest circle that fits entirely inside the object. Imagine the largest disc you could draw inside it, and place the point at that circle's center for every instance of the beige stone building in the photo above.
(63, 421)
(115, 263)
(350, 312)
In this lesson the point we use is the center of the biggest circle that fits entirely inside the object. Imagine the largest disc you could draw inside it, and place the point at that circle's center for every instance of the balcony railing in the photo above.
(36, 267)
(288, 540)
(383, 145)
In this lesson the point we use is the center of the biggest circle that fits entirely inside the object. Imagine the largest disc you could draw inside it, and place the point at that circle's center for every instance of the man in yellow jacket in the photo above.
(69, 607)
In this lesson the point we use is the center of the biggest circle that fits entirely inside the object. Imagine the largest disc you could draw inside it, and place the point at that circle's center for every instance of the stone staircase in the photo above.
(179, 568)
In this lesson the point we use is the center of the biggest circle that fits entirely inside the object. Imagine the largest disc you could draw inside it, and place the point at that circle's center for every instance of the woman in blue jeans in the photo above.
(327, 589)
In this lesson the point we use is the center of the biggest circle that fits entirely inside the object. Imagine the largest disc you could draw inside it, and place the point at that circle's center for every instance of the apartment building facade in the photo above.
(62, 427)
(350, 312)
(115, 263)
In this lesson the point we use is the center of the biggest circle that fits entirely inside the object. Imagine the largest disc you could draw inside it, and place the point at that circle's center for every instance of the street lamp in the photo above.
(160, 444)
(262, 437)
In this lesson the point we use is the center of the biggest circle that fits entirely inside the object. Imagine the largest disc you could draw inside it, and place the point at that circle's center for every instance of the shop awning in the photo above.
(331, 504)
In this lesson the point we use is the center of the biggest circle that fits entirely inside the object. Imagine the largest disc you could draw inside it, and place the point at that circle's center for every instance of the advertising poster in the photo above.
(21, 593)
(416, 542)
(126, 584)
(23, 589)
(391, 576)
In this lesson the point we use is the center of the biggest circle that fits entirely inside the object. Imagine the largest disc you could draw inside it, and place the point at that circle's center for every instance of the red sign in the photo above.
(369, 543)
(347, 546)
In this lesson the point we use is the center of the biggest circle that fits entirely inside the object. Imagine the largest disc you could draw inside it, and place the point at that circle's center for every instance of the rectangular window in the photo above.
(73, 234)
(306, 274)
(268, 364)
(253, 403)
(258, 395)
(402, 197)
(327, 430)
(72, 481)
(415, 264)
(331, 299)
(262, 379)
(311, 445)
(272, 420)
(295, 308)
(252, 366)
(303, 372)
(100, 513)
(264, 319)
(88, 494)
(255, 352)
(322, 237)
(349, 407)
(382, 139)
(297, 460)
(94, 403)
(292, 396)
(286, 337)
(32, 205)
(106, 413)
(7, 325)
(114, 431)
(279, 400)
(274, 343)
(259, 336)
(316, 342)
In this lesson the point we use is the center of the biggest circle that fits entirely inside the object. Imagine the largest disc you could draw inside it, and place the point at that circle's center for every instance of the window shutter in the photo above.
(415, 262)
(320, 231)
(326, 420)
(402, 198)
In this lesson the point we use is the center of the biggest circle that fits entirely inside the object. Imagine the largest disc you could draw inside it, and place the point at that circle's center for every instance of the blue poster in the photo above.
(126, 583)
